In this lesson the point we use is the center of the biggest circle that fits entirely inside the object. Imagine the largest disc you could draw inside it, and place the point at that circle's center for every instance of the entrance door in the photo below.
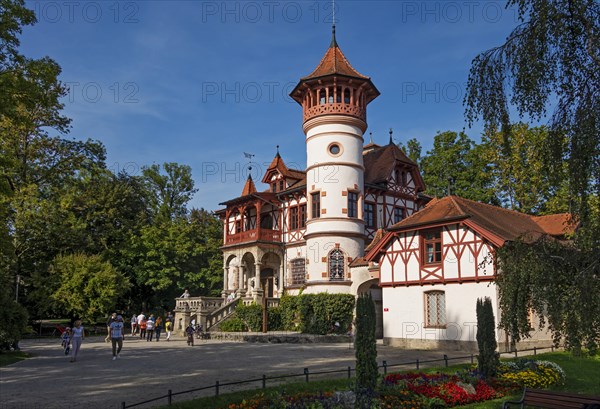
(266, 279)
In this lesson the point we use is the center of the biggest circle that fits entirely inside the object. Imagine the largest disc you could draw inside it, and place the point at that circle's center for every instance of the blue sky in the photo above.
(199, 83)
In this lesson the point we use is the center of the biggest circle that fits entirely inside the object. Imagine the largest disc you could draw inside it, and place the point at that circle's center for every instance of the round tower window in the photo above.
(334, 149)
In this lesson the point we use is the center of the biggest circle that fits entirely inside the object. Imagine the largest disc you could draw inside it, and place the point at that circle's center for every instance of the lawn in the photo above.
(7, 358)
(583, 376)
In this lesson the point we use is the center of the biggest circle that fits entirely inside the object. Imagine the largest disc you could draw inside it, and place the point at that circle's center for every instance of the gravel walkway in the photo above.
(148, 369)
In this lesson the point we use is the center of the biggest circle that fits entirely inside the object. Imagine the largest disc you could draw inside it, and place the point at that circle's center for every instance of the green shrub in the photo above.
(317, 313)
(274, 320)
(233, 324)
(251, 315)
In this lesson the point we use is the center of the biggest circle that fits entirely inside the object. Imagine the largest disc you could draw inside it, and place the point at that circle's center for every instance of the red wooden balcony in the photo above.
(254, 235)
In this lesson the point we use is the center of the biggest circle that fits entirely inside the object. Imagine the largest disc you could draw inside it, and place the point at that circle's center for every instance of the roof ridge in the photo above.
(460, 209)
(498, 208)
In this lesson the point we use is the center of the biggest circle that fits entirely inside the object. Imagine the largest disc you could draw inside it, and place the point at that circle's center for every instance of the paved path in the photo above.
(149, 369)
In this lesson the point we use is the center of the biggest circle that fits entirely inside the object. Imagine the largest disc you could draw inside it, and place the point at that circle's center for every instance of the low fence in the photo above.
(306, 374)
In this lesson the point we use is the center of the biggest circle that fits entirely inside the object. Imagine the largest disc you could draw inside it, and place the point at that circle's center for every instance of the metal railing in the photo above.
(306, 373)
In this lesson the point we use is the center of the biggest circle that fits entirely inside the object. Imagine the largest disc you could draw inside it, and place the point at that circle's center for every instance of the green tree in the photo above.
(366, 351)
(522, 174)
(169, 192)
(549, 62)
(455, 163)
(488, 359)
(87, 286)
(412, 149)
(559, 283)
(550, 66)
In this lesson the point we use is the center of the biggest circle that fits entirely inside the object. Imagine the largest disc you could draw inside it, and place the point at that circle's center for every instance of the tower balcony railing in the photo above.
(254, 235)
(335, 108)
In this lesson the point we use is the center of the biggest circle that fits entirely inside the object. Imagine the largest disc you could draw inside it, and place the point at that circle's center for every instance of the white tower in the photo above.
(334, 100)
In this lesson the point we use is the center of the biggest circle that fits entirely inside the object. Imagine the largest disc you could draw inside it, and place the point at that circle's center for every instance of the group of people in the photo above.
(147, 328)
(150, 327)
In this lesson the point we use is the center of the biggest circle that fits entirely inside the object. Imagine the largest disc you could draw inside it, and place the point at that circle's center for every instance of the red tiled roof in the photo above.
(249, 187)
(278, 165)
(359, 262)
(504, 224)
(379, 164)
(334, 62)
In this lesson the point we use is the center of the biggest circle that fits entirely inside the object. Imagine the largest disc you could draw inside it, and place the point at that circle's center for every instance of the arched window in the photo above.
(336, 265)
(338, 95)
(298, 267)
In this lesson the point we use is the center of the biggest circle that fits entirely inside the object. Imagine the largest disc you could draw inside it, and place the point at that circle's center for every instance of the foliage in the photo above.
(412, 149)
(366, 351)
(88, 287)
(233, 324)
(552, 55)
(170, 192)
(456, 164)
(317, 313)
(525, 177)
(13, 318)
(488, 359)
(250, 315)
(559, 283)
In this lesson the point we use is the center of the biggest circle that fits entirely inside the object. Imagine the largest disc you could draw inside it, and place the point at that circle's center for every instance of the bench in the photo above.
(546, 399)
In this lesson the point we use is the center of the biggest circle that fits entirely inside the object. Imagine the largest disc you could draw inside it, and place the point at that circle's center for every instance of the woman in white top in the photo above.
(77, 338)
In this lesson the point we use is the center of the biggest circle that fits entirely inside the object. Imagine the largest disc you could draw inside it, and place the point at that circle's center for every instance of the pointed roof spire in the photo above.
(371, 137)
(391, 140)
(249, 187)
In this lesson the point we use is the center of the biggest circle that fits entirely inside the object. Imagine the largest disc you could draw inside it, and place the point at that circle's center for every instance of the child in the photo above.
(168, 327)
(66, 340)
(190, 335)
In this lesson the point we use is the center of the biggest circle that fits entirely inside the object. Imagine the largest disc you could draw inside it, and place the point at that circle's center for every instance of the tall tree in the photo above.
(169, 192)
(549, 62)
(455, 165)
(522, 172)
(412, 149)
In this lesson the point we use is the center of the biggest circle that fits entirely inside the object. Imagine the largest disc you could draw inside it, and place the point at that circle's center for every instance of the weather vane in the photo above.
(249, 156)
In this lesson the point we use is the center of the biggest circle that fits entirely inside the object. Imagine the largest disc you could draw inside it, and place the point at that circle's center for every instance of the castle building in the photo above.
(356, 220)
(308, 229)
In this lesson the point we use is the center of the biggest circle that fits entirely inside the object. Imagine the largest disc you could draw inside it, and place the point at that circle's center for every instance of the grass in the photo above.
(8, 358)
(583, 376)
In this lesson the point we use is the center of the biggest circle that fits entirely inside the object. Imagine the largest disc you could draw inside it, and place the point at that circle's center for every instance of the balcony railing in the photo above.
(254, 235)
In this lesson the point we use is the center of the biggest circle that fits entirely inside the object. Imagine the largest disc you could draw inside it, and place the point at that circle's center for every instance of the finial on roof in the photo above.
(371, 137)
(277, 150)
(391, 140)
(333, 40)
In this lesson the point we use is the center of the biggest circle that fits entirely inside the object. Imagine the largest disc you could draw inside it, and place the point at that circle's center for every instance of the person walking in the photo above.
(133, 324)
(116, 336)
(77, 339)
(142, 325)
(158, 326)
(150, 328)
(168, 328)
(111, 319)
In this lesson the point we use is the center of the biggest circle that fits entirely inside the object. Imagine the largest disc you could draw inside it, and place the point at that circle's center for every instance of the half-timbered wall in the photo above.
(463, 255)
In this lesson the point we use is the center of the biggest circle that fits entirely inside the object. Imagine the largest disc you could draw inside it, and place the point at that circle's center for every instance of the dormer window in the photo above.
(274, 187)
(281, 185)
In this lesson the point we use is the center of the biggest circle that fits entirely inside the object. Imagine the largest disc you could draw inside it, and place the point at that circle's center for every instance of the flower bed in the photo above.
(421, 390)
